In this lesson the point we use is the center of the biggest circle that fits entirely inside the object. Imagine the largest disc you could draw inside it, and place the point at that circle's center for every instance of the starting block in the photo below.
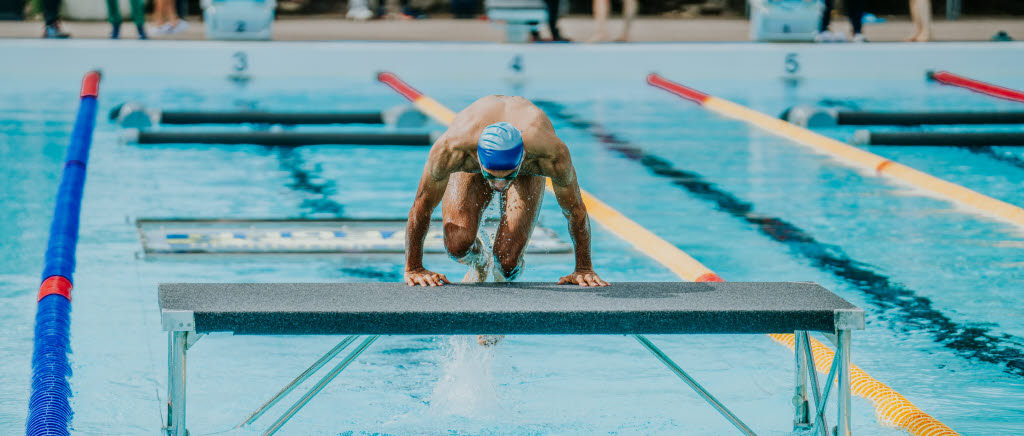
(190, 310)
(519, 16)
(238, 19)
(785, 20)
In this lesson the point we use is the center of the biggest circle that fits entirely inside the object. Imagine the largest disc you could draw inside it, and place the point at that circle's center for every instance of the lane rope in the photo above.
(49, 406)
(873, 163)
(947, 78)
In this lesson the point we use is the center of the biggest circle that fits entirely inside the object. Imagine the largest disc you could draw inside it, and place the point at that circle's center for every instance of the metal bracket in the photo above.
(849, 319)
(191, 338)
(178, 320)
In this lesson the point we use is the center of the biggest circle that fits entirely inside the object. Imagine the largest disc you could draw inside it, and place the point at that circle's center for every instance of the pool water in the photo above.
(939, 283)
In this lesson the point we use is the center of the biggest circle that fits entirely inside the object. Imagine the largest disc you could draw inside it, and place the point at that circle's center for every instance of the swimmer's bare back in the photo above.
(544, 155)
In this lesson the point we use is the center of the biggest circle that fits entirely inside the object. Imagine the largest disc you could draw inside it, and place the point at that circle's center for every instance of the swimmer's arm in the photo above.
(567, 192)
(429, 194)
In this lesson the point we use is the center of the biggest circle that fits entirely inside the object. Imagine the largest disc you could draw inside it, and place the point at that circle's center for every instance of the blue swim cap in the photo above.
(500, 147)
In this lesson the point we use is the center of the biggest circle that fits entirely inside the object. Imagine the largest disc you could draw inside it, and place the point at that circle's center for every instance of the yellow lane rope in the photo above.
(847, 153)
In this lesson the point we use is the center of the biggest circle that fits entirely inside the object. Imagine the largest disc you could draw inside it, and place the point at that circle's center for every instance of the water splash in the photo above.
(467, 386)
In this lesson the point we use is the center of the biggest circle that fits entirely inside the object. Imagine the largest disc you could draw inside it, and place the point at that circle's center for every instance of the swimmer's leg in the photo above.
(520, 209)
(462, 207)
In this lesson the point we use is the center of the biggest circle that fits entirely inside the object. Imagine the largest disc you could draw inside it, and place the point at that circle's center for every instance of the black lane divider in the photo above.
(864, 118)
(934, 139)
(902, 307)
(281, 139)
(302, 181)
(260, 117)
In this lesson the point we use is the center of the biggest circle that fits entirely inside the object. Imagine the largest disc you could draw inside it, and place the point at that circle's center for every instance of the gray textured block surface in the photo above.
(512, 308)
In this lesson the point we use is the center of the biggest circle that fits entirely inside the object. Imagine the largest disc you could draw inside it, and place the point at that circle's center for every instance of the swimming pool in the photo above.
(927, 272)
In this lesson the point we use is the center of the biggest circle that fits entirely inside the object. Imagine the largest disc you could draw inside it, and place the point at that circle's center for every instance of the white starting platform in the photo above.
(785, 20)
(189, 310)
(520, 17)
(238, 19)
(198, 236)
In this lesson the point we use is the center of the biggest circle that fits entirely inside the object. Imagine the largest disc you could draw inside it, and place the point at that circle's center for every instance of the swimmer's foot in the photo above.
(481, 265)
(489, 340)
(475, 275)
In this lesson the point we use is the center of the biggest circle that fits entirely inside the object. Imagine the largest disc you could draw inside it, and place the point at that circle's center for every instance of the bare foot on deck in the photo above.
(477, 273)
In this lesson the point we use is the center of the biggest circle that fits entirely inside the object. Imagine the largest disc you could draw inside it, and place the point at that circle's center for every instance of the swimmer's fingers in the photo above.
(594, 280)
(444, 279)
(575, 278)
(421, 281)
(435, 280)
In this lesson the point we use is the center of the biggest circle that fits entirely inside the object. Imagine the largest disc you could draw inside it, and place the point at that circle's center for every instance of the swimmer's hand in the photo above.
(424, 277)
(582, 277)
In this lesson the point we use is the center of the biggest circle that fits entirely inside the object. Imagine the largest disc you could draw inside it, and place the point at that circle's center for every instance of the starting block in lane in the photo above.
(177, 236)
(190, 310)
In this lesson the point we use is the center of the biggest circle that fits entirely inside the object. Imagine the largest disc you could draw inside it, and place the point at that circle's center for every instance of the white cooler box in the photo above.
(785, 20)
(238, 19)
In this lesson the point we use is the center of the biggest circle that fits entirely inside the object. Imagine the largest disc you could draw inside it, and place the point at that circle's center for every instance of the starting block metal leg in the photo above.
(813, 373)
(298, 380)
(320, 385)
(843, 354)
(801, 418)
(696, 386)
(176, 383)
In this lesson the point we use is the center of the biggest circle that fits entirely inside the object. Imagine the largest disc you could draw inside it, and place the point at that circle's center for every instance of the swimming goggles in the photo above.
(508, 178)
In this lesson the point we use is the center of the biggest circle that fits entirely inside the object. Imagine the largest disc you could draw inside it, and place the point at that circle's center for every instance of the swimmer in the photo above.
(498, 145)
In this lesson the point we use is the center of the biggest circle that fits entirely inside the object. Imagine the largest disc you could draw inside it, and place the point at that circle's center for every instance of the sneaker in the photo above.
(178, 28)
(162, 29)
(142, 31)
(54, 31)
(859, 38)
(823, 36)
(115, 32)
(359, 14)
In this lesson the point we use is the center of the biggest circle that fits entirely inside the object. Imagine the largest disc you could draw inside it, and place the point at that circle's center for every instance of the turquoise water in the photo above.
(939, 283)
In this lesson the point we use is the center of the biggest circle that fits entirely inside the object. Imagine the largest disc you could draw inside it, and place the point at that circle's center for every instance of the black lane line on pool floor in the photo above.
(908, 308)
(1002, 156)
(302, 181)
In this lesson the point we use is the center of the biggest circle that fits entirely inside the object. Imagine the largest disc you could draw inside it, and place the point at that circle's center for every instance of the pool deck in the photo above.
(334, 27)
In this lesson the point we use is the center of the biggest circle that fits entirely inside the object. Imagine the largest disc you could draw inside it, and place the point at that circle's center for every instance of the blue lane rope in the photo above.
(49, 407)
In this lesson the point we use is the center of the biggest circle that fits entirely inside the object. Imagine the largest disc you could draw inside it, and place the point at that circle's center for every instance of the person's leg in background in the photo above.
(601, 10)
(921, 15)
(159, 19)
(629, 8)
(51, 11)
(855, 10)
(138, 16)
(114, 17)
(553, 20)
(166, 18)
(180, 8)
(823, 34)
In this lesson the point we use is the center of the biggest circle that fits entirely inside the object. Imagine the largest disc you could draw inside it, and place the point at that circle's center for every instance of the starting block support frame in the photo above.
(183, 331)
